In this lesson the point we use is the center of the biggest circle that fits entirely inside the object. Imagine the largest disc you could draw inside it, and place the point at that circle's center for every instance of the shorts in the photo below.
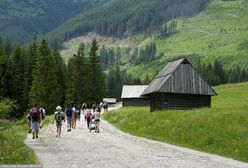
(69, 119)
(97, 120)
(59, 123)
(35, 126)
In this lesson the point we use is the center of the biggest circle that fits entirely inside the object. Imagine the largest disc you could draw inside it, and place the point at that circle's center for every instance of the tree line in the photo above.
(215, 74)
(123, 18)
(116, 79)
(38, 75)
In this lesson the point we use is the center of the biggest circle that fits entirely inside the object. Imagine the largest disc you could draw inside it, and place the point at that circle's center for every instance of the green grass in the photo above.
(222, 129)
(215, 32)
(48, 120)
(12, 147)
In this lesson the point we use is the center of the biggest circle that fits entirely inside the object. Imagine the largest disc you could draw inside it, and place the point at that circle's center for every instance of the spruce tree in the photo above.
(77, 86)
(60, 76)
(16, 70)
(44, 90)
(30, 59)
(3, 72)
(96, 77)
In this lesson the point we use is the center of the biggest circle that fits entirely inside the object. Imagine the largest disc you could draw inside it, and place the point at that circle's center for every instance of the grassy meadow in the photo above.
(12, 147)
(222, 129)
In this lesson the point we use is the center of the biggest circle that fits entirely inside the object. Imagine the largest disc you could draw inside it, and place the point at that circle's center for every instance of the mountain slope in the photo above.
(119, 18)
(219, 32)
(21, 21)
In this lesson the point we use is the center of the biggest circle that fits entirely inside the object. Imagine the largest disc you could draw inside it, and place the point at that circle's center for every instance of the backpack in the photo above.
(88, 115)
(35, 114)
(69, 112)
(42, 113)
(59, 116)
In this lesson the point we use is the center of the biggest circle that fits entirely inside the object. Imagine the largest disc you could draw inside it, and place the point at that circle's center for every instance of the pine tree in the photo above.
(44, 90)
(3, 72)
(60, 76)
(77, 86)
(30, 59)
(114, 83)
(219, 72)
(16, 71)
(96, 81)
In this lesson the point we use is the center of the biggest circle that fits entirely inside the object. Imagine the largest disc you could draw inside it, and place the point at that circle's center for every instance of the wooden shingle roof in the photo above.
(132, 91)
(179, 76)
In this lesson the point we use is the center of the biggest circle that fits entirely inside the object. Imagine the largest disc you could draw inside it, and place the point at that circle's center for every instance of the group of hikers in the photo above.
(71, 114)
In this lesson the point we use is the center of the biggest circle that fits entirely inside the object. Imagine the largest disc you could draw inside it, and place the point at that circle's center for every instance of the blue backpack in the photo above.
(69, 112)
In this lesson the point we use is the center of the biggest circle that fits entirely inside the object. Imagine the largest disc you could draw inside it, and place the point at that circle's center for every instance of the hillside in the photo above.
(123, 18)
(218, 32)
(22, 21)
(221, 129)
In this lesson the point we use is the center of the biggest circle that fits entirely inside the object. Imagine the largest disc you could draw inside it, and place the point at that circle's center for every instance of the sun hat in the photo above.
(58, 108)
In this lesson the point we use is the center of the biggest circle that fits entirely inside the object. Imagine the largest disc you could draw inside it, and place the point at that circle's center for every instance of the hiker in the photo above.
(101, 105)
(84, 108)
(98, 107)
(59, 116)
(79, 112)
(35, 121)
(88, 117)
(29, 122)
(94, 107)
(43, 115)
(74, 116)
(105, 106)
(97, 119)
(68, 112)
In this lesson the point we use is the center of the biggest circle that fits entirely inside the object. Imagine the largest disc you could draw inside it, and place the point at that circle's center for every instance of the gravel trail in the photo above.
(112, 148)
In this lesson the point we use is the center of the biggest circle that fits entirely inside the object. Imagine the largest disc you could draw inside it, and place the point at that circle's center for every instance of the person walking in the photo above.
(84, 108)
(29, 118)
(35, 121)
(59, 117)
(78, 112)
(94, 107)
(43, 115)
(88, 118)
(97, 119)
(68, 112)
(74, 116)
(105, 106)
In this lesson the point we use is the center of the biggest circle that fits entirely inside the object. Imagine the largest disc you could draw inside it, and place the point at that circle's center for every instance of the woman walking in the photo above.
(69, 117)
(74, 116)
(59, 116)
(97, 119)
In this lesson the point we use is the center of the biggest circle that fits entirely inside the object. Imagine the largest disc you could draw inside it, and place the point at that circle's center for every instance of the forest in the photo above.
(38, 75)
(123, 18)
(26, 20)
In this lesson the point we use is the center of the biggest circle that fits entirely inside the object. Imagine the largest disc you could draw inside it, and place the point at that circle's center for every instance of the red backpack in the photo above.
(88, 115)
(35, 114)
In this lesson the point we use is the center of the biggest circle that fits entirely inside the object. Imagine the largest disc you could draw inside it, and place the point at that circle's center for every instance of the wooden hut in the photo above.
(178, 86)
(131, 96)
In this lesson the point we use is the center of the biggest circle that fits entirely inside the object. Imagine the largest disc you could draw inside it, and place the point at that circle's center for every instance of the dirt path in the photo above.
(112, 148)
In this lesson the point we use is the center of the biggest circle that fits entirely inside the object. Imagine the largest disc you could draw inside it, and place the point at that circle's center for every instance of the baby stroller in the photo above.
(92, 123)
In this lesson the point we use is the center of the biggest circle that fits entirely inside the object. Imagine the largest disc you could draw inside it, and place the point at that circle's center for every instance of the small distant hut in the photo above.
(131, 96)
(178, 86)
